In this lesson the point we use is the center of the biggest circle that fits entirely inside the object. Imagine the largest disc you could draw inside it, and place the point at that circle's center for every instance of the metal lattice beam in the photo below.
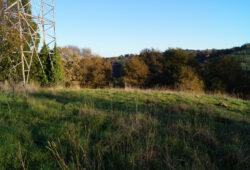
(22, 21)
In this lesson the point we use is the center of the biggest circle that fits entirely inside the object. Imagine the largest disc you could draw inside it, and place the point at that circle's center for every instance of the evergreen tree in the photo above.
(5, 68)
(55, 72)
(39, 72)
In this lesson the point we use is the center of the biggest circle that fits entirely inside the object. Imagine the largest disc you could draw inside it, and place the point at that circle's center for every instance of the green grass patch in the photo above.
(117, 129)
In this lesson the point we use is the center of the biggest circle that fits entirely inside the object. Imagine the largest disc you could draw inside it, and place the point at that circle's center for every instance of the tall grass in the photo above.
(117, 129)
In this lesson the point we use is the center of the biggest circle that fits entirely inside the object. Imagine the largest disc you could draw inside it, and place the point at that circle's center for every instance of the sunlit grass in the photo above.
(123, 129)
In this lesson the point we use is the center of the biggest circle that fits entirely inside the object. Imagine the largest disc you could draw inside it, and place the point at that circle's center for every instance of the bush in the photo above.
(189, 80)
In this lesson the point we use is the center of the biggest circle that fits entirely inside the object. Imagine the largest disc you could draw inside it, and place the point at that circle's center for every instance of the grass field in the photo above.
(118, 129)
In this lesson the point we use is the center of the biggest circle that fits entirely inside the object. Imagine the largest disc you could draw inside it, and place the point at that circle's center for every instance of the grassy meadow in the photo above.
(119, 129)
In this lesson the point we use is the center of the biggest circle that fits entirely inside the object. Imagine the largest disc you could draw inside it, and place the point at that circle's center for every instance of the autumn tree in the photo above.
(135, 72)
(71, 64)
(189, 80)
(95, 71)
(81, 65)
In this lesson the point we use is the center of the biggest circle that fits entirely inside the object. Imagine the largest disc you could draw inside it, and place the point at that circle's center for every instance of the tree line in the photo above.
(174, 69)
(184, 70)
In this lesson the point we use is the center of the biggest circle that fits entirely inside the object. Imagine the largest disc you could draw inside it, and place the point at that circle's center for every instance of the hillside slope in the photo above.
(244, 57)
(117, 129)
(242, 53)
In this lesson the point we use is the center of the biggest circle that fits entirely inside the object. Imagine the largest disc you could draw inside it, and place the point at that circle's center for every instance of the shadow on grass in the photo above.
(101, 103)
(162, 111)
(48, 128)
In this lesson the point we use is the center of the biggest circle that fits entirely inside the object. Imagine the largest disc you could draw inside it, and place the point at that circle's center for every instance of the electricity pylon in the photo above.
(33, 20)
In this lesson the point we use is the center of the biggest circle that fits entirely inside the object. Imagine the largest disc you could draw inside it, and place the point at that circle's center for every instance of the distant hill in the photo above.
(242, 53)
(244, 57)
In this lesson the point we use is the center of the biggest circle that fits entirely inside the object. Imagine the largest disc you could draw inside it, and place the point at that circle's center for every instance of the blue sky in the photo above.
(116, 27)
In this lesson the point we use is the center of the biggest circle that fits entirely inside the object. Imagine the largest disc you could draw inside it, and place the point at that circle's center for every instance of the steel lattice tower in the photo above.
(42, 14)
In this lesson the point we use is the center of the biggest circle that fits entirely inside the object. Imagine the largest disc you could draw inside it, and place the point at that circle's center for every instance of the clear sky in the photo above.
(116, 27)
